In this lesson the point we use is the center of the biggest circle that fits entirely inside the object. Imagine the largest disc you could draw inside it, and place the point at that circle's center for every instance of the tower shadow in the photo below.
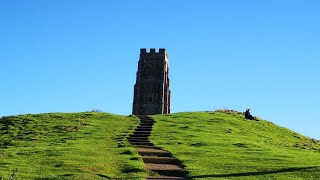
(292, 169)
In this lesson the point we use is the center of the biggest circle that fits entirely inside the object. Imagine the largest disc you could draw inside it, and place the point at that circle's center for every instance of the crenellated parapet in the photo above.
(153, 54)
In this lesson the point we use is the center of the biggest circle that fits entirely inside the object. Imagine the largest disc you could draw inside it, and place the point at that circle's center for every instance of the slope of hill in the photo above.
(223, 144)
(93, 145)
(68, 146)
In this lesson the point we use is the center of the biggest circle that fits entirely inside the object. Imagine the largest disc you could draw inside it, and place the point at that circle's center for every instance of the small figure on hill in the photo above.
(248, 115)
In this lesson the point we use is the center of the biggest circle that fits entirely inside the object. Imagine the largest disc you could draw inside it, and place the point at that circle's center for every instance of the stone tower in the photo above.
(151, 91)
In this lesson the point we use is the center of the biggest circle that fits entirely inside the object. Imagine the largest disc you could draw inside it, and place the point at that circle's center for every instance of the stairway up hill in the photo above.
(158, 162)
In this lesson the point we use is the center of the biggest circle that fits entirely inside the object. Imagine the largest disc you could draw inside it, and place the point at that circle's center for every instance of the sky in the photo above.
(80, 55)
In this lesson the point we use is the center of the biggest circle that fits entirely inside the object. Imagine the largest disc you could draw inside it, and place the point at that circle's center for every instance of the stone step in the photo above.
(144, 126)
(139, 135)
(142, 143)
(142, 116)
(148, 147)
(164, 178)
(166, 169)
(146, 119)
(142, 132)
(147, 122)
(160, 160)
(153, 152)
(144, 129)
(139, 140)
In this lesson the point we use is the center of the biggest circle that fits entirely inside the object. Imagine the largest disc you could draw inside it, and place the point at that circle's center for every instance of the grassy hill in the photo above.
(68, 146)
(93, 145)
(223, 144)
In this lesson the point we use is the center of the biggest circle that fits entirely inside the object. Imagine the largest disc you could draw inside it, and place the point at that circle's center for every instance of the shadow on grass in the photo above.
(255, 173)
(104, 176)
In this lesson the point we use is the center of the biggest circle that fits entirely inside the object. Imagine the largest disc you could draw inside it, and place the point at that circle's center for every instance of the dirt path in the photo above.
(160, 162)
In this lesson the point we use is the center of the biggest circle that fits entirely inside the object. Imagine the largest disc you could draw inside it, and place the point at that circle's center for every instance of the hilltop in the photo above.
(223, 144)
(93, 145)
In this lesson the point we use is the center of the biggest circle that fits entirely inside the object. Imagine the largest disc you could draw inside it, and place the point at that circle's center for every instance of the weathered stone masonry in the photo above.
(151, 91)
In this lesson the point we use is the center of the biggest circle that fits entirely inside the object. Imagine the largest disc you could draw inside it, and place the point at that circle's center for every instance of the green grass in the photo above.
(226, 146)
(93, 145)
(68, 146)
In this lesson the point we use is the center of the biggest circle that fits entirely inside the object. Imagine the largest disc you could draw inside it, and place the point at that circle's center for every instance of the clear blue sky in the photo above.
(76, 55)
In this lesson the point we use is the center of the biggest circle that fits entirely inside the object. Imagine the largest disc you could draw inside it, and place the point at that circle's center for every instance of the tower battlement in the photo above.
(153, 54)
(152, 51)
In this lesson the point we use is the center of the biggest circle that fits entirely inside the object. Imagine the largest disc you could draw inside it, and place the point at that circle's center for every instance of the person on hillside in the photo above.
(248, 115)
